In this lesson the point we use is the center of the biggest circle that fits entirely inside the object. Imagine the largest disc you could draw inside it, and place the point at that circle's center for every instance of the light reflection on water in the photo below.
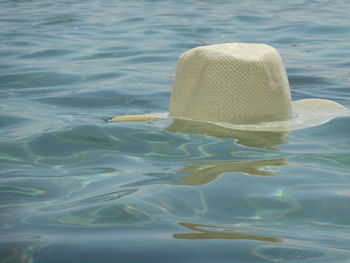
(75, 188)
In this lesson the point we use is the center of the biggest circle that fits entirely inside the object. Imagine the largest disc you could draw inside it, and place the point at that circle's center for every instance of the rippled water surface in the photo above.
(75, 188)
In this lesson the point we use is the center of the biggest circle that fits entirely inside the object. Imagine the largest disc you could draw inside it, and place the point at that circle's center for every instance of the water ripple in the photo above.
(77, 188)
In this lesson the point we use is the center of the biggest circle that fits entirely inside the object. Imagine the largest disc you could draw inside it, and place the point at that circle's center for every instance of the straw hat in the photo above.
(243, 87)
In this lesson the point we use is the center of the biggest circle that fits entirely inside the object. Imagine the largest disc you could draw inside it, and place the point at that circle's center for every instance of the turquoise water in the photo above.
(75, 188)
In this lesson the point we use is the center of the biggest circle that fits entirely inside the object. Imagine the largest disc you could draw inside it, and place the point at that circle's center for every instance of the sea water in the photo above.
(75, 188)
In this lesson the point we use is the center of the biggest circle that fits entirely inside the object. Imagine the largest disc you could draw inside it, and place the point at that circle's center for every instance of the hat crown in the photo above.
(232, 82)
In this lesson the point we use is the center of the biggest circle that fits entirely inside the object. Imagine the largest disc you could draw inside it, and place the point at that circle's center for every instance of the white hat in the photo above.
(240, 86)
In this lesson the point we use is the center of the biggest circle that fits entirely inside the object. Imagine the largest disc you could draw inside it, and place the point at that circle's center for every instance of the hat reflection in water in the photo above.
(205, 172)
(204, 232)
(256, 139)
(242, 87)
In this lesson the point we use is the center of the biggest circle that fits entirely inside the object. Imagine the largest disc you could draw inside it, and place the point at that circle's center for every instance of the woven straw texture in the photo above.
(231, 82)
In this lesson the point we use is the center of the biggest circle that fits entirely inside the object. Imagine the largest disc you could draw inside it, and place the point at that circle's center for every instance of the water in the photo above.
(75, 188)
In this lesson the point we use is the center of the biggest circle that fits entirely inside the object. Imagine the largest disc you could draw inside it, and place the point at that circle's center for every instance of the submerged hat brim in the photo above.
(307, 113)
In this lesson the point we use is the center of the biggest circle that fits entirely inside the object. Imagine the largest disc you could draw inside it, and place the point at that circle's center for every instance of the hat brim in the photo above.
(306, 113)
